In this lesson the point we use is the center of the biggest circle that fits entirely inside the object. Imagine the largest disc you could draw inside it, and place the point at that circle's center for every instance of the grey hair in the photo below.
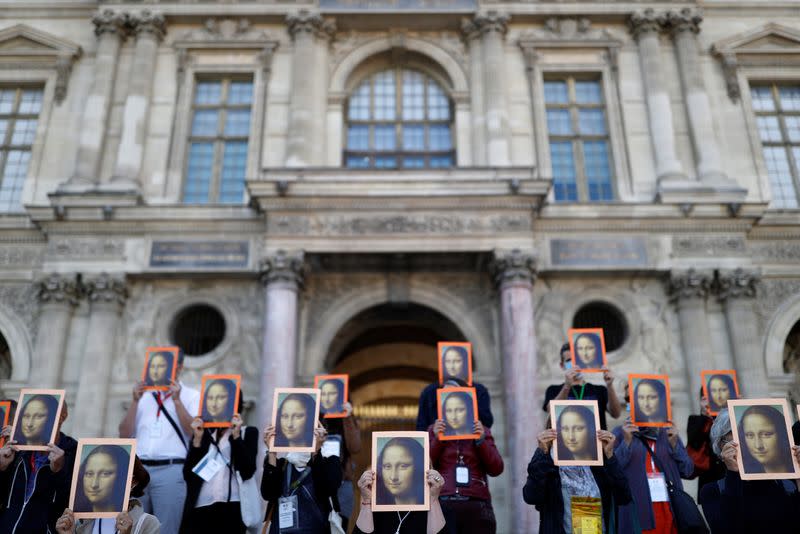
(721, 427)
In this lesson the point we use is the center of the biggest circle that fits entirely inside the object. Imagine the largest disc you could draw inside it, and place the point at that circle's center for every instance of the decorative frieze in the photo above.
(708, 246)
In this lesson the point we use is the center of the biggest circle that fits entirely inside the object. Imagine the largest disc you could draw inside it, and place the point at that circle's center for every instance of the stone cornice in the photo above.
(512, 266)
(283, 267)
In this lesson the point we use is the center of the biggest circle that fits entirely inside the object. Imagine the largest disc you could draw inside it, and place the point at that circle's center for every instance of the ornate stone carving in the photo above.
(776, 251)
(689, 284)
(491, 21)
(110, 21)
(708, 246)
(24, 301)
(57, 288)
(644, 22)
(686, 19)
(738, 283)
(225, 30)
(305, 21)
(283, 267)
(107, 289)
(149, 23)
(24, 256)
(85, 248)
(512, 266)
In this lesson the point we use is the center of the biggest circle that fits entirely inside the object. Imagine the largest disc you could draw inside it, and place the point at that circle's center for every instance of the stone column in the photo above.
(282, 276)
(685, 25)
(311, 35)
(149, 28)
(472, 36)
(514, 273)
(107, 294)
(492, 27)
(645, 27)
(736, 289)
(58, 296)
(109, 26)
(689, 290)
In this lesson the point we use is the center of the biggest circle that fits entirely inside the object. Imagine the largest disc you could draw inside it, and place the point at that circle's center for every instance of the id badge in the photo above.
(208, 466)
(587, 515)
(462, 475)
(658, 487)
(332, 446)
(288, 514)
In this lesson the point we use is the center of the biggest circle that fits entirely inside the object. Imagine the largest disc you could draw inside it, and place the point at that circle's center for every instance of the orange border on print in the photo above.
(426, 505)
(60, 393)
(7, 406)
(442, 344)
(596, 331)
(345, 379)
(306, 391)
(735, 431)
(662, 378)
(93, 442)
(174, 350)
(446, 391)
(704, 374)
(553, 420)
(203, 380)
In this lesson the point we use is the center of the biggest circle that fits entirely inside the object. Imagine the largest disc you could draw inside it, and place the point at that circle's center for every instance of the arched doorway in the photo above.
(389, 351)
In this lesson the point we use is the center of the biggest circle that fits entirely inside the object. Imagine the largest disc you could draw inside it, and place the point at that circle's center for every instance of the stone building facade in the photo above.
(290, 188)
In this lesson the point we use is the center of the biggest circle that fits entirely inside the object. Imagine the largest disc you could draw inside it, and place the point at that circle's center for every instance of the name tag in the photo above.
(208, 466)
(462, 475)
(658, 487)
(287, 512)
(332, 446)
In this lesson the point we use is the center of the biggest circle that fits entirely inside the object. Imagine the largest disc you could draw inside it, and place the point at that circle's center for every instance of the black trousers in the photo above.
(469, 517)
(218, 517)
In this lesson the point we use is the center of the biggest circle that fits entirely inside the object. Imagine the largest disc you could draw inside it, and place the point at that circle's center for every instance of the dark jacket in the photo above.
(50, 495)
(429, 409)
(481, 459)
(243, 460)
(326, 474)
(745, 506)
(707, 466)
(543, 490)
(632, 459)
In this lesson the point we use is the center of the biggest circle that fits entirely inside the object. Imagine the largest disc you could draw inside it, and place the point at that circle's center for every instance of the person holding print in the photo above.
(36, 420)
(331, 397)
(575, 387)
(576, 434)
(455, 364)
(720, 389)
(295, 421)
(158, 369)
(588, 354)
(102, 478)
(458, 413)
(219, 399)
(650, 401)
(400, 474)
(766, 450)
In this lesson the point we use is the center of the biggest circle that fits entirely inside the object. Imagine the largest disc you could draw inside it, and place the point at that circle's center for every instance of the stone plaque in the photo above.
(618, 252)
(200, 254)
(398, 5)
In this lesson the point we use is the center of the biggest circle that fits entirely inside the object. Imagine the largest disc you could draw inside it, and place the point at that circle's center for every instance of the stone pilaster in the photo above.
(149, 28)
(514, 273)
(492, 27)
(58, 295)
(282, 276)
(472, 37)
(684, 26)
(646, 26)
(689, 290)
(736, 289)
(311, 34)
(107, 295)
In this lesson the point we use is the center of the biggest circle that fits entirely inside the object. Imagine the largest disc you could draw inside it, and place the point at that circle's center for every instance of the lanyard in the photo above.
(296, 484)
(401, 521)
(575, 392)
(161, 402)
(653, 468)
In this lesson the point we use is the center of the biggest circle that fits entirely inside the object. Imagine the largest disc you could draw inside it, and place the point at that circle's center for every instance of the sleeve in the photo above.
(622, 451)
(541, 471)
(271, 480)
(484, 405)
(424, 416)
(193, 406)
(194, 456)
(352, 435)
(681, 457)
(5, 480)
(602, 398)
(244, 451)
(437, 447)
(619, 482)
(549, 394)
(490, 456)
(696, 431)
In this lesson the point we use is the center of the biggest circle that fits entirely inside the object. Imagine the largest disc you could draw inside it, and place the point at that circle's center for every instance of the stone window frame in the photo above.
(201, 53)
(47, 64)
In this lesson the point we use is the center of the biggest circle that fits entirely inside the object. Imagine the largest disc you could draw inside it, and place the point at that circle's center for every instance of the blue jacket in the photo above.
(632, 457)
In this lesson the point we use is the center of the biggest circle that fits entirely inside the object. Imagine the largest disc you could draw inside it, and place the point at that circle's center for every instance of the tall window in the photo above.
(217, 155)
(399, 118)
(777, 109)
(579, 142)
(19, 116)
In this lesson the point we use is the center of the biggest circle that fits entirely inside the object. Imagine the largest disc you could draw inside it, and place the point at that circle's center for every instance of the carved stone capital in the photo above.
(684, 20)
(645, 22)
(512, 266)
(150, 23)
(305, 21)
(736, 283)
(491, 22)
(58, 289)
(106, 289)
(111, 22)
(689, 284)
(282, 267)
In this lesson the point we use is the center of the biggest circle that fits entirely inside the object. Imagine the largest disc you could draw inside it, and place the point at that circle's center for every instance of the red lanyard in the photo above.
(161, 403)
(653, 468)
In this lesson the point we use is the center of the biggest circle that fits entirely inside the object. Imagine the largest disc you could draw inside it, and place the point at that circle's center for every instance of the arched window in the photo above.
(399, 118)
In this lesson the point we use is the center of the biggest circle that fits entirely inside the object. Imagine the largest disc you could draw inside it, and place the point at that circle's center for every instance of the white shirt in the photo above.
(216, 489)
(155, 437)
